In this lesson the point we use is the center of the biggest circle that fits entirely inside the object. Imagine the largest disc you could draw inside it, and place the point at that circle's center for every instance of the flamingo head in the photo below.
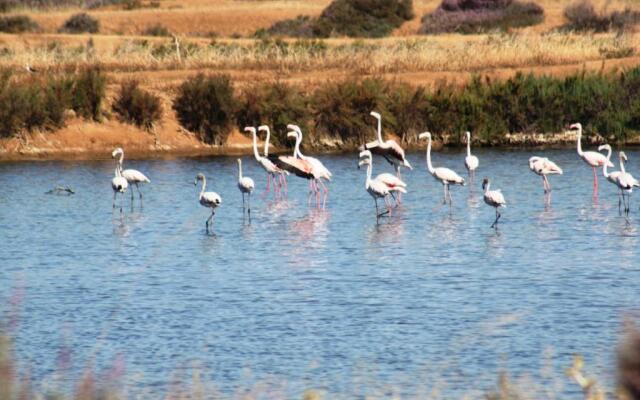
(199, 177)
(485, 182)
(576, 126)
(364, 161)
(375, 114)
(424, 135)
(292, 135)
(532, 160)
(250, 129)
(116, 152)
(468, 134)
(294, 127)
(604, 147)
(239, 161)
(623, 157)
(263, 128)
(365, 153)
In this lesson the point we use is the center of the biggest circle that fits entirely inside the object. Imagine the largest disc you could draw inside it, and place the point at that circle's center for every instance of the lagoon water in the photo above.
(423, 302)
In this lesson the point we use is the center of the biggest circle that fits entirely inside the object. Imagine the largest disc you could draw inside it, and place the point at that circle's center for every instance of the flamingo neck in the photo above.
(580, 141)
(379, 130)
(239, 169)
(429, 166)
(486, 188)
(266, 143)
(604, 169)
(255, 146)
(296, 150)
(621, 166)
(119, 168)
(369, 170)
(204, 185)
(468, 145)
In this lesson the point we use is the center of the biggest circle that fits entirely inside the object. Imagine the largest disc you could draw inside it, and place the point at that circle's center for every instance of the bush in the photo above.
(354, 18)
(81, 23)
(582, 16)
(207, 105)
(137, 106)
(157, 30)
(274, 104)
(475, 16)
(18, 24)
(88, 93)
(37, 103)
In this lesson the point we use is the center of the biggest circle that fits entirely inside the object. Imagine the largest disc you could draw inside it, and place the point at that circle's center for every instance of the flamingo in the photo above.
(494, 198)
(297, 166)
(266, 164)
(542, 166)
(133, 176)
(119, 185)
(592, 158)
(246, 185)
(444, 175)
(210, 200)
(382, 186)
(319, 171)
(623, 180)
(282, 174)
(470, 161)
(388, 149)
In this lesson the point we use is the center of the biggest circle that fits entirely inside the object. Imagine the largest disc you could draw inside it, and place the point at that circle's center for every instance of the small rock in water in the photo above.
(61, 190)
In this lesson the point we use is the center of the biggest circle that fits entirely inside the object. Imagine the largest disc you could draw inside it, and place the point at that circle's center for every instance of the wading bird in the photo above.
(542, 166)
(592, 158)
(282, 175)
(133, 176)
(119, 185)
(270, 168)
(470, 161)
(383, 184)
(494, 198)
(622, 179)
(245, 185)
(388, 149)
(444, 175)
(318, 169)
(297, 166)
(208, 199)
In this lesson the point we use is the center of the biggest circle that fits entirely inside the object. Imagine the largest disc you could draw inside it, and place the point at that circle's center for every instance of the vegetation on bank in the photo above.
(477, 16)
(137, 106)
(42, 103)
(353, 18)
(337, 113)
(583, 17)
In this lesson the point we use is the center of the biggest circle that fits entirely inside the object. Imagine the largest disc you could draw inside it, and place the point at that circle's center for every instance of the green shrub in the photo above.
(582, 16)
(137, 106)
(81, 23)
(354, 18)
(18, 24)
(207, 105)
(274, 104)
(157, 30)
(341, 110)
(88, 93)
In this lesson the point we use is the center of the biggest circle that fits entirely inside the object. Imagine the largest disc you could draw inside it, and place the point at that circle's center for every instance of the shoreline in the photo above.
(91, 144)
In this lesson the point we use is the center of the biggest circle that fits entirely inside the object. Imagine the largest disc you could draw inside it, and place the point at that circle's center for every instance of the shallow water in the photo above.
(302, 298)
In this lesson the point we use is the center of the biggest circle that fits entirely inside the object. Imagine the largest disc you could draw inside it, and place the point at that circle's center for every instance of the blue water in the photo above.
(298, 298)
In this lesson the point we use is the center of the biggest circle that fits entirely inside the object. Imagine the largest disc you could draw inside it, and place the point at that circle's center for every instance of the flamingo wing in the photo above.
(447, 175)
(119, 184)
(210, 199)
(550, 167)
(296, 166)
(471, 162)
(595, 159)
(135, 176)
(392, 181)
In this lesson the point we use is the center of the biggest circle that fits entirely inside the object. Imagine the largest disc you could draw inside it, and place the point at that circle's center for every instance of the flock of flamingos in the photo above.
(385, 186)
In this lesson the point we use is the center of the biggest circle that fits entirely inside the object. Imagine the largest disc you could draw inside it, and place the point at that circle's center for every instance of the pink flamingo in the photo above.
(592, 158)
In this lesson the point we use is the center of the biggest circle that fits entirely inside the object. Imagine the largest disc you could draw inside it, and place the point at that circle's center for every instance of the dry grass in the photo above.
(445, 53)
(231, 17)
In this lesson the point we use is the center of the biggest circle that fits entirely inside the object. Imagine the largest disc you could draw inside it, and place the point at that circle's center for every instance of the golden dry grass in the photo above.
(244, 17)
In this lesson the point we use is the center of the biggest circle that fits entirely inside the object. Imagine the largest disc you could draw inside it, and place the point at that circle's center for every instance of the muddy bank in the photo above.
(82, 140)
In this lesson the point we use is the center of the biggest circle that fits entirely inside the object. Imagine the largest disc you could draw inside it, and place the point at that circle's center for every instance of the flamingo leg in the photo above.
(209, 220)
(248, 203)
(132, 193)
(310, 192)
(268, 182)
(122, 201)
(495, 223)
(283, 180)
(595, 182)
(444, 187)
(114, 199)
(450, 198)
(326, 193)
(399, 199)
(243, 202)
(387, 202)
(620, 197)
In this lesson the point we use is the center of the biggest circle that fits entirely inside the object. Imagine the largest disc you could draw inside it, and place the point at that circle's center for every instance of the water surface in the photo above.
(331, 299)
